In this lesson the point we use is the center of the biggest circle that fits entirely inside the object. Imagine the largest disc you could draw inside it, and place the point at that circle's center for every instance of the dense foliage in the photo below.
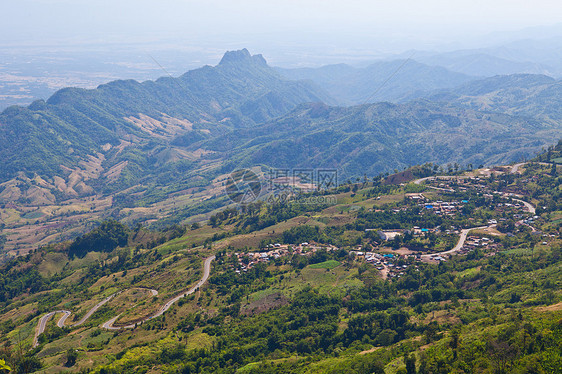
(108, 236)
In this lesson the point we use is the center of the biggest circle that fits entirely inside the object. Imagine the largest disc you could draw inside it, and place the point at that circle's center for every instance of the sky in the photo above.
(397, 22)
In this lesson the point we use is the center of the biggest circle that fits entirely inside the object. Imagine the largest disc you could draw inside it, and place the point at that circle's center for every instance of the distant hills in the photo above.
(382, 137)
(242, 112)
(381, 81)
(159, 151)
(528, 95)
(482, 64)
(412, 74)
(53, 138)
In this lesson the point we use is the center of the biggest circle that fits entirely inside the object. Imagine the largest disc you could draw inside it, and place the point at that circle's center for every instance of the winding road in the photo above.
(206, 273)
(456, 248)
(109, 324)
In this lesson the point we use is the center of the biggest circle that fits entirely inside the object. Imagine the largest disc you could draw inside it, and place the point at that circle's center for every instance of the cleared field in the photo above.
(330, 264)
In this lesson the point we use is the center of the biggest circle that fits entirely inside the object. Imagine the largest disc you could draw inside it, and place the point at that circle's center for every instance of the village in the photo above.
(393, 263)
(384, 262)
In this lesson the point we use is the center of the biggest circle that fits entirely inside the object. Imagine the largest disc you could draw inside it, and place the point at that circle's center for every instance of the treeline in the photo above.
(108, 236)
(259, 215)
(16, 280)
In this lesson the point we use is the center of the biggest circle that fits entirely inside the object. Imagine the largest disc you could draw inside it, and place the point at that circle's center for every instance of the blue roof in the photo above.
(429, 206)
(424, 230)
(465, 201)
(389, 256)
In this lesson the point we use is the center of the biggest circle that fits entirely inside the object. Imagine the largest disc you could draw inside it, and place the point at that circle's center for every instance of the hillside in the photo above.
(371, 139)
(75, 124)
(66, 160)
(526, 95)
(470, 279)
(160, 152)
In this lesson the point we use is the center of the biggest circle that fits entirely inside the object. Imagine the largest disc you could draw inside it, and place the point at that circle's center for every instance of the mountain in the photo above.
(544, 51)
(482, 64)
(374, 138)
(380, 81)
(160, 152)
(527, 95)
(76, 126)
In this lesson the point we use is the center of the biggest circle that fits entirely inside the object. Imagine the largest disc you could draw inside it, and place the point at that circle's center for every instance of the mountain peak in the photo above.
(242, 56)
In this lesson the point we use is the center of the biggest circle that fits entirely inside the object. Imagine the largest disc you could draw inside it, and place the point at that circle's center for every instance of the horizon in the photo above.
(411, 24)
(51, 44)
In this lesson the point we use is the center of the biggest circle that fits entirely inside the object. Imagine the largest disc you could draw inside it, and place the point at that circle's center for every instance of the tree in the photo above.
(4, 366)
(502, 354)
(71, 356)
(410, 361)
(454, 344)
(108, 236)
(431, 331)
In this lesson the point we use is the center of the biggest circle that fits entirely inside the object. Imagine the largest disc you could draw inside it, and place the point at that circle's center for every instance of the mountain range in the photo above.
(395, 80)
(373, 138)
(75, 126)
(139, 151)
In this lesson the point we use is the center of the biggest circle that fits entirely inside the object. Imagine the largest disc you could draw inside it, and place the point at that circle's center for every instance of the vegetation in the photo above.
(155, 151)
(492, 310)
(296, 287)
(107, 237)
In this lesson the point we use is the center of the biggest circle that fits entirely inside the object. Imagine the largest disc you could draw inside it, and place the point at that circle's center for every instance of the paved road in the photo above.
(62, 320)
(41, 327)
(419, 181)
(440, 177)
(529, 207)
(456, 248)
(515, 168)
(206, 272)
(66, 313)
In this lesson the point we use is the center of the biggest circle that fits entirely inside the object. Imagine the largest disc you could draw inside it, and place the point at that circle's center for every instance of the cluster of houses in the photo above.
(384, 262)
(438, 207)
(387, 263)
(273, 251)
(473, 242)
(446, 208)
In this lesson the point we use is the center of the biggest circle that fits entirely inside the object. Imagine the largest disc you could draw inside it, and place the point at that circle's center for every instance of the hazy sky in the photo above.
(290, 21)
